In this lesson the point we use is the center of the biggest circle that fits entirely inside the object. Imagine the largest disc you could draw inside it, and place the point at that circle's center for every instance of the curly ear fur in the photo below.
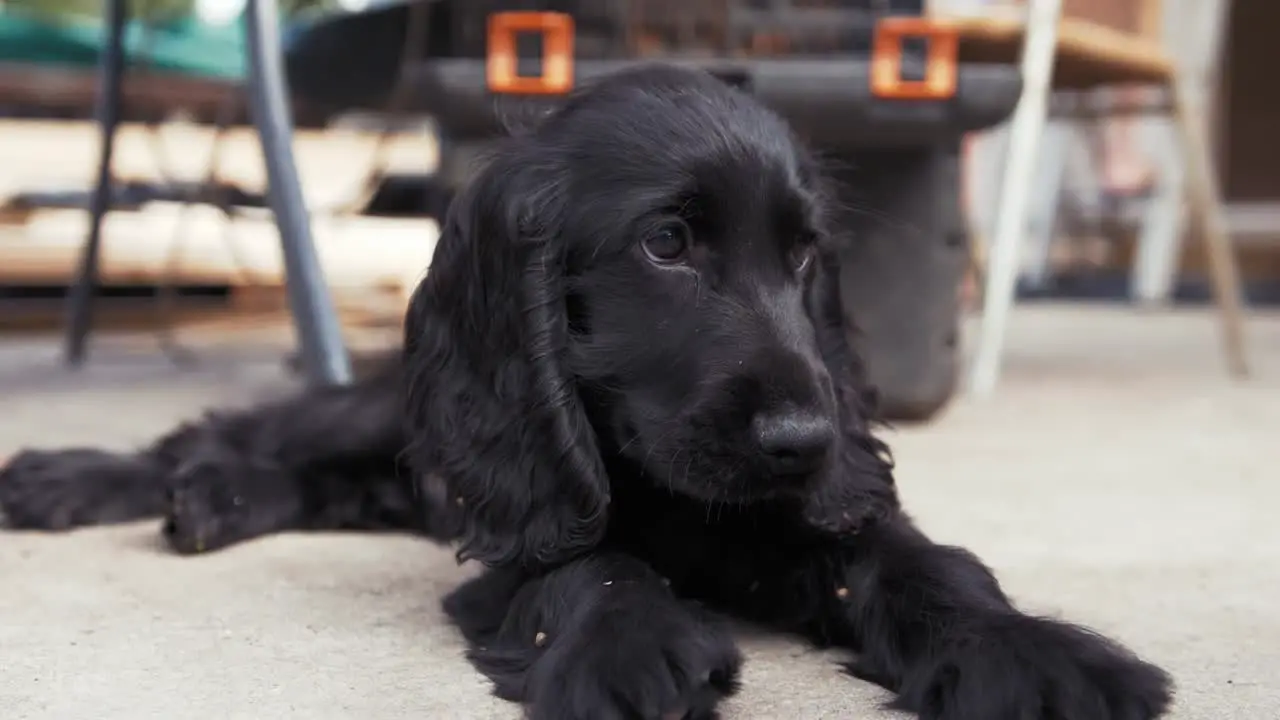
(860, 488)
(489, 407)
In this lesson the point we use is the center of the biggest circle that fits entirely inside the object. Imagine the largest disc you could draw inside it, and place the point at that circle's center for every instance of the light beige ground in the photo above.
(1119, 478)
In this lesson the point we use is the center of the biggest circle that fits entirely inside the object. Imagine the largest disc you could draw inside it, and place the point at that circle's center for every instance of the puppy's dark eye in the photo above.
(801, 255)
(668, 245)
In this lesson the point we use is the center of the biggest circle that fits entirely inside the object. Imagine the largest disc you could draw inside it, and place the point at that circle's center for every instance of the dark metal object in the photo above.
(315, 318)
(80, 297)
(828, 102)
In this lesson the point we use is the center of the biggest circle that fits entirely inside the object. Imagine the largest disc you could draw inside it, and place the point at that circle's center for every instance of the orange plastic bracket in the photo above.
(501, 71)
(939, 80)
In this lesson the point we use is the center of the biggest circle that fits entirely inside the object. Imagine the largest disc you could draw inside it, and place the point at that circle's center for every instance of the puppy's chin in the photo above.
(746, 487)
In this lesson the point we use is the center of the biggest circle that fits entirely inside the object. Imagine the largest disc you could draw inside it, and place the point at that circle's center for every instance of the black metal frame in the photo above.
(323, 354)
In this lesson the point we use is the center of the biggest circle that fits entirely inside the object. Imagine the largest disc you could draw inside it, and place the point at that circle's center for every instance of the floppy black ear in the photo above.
(490, 409)
(860, 486)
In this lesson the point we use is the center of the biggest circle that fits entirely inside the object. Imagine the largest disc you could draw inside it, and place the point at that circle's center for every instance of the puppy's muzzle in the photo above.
(794, 444)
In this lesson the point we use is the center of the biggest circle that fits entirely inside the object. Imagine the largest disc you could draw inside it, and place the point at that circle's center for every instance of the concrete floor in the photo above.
(1119, 479)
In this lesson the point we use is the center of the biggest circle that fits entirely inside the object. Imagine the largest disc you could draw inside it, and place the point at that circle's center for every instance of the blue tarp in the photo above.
(183, 47)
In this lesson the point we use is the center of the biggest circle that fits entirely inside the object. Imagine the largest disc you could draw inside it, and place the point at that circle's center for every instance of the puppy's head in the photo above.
(695, 233)
(643, 281)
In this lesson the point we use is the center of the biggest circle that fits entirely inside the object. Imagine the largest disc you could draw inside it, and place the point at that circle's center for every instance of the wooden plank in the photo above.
(1151, 19)
(197, 245)
(230, 315)
(1088, 54)
(114, 314)
(76, 89)
(62, 155)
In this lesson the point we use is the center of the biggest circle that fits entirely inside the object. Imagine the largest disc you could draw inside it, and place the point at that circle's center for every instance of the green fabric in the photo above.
(184, 47)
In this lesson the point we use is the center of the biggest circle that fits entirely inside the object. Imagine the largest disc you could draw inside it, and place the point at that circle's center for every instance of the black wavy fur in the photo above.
(627, 388)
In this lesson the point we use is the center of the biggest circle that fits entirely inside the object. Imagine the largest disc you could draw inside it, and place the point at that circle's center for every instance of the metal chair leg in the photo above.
(111, 72)
(322, 351)
(1011, 220)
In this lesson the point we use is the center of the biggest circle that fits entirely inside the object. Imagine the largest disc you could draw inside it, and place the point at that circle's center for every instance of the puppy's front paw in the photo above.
(64, 489)
(213, 504)
(1015, 667)
(668, 666)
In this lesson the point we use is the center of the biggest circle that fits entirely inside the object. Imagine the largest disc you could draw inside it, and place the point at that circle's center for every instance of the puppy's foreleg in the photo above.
(324, 459)
(931, 623)
(65, 489)
(600, 637)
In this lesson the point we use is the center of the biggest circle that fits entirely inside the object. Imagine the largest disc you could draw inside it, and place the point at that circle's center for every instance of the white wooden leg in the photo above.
(1043, 214)
(1011, 218)
(1155, 266)
(983, 171)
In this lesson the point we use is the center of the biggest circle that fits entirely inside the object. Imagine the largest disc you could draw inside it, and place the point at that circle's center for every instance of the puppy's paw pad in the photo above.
(210, 505)
(45, 490)
(1021, 666)
(197, 500)
(65, 489)
(678, 672)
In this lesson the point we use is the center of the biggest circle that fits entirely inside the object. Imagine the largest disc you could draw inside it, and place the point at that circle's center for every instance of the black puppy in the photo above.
(627, 388)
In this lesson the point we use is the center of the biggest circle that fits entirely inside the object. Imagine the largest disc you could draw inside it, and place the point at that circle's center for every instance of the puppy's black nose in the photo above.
(794, 443)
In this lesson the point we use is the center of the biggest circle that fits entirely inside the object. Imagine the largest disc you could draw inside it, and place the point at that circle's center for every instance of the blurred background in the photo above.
(382, 129)
(1064, 261)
